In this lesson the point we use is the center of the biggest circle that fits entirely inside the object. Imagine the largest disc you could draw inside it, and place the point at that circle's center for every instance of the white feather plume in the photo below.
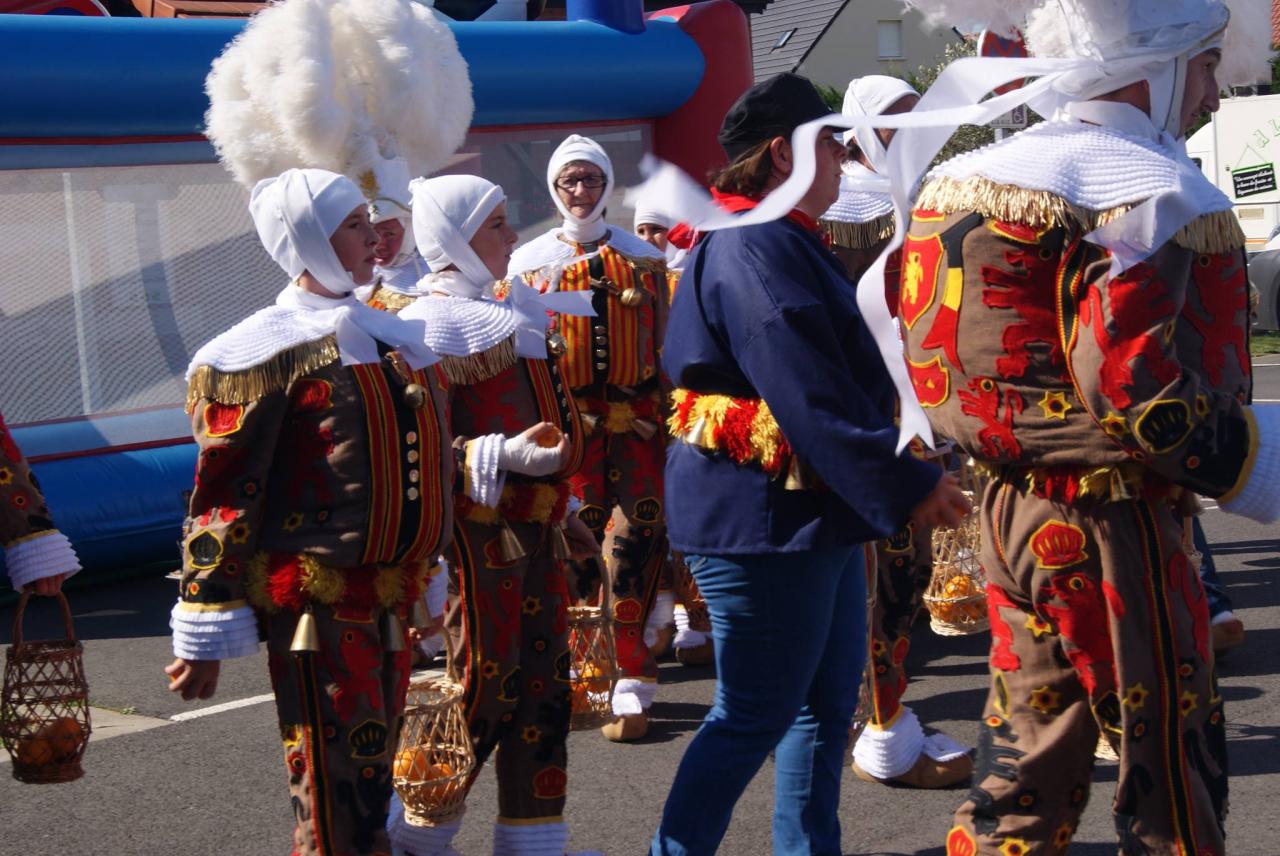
(970, 16)
(1246, 49)
(338, 86)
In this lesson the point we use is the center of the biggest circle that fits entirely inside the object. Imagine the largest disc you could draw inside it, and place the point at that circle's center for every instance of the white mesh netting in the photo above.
(113, 276)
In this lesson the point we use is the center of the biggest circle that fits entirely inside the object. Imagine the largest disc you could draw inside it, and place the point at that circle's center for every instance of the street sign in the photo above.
(1253, 180)
(1015, 119)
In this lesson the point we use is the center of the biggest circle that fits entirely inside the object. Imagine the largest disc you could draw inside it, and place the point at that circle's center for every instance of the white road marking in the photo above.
(220, 708)
(106, 724)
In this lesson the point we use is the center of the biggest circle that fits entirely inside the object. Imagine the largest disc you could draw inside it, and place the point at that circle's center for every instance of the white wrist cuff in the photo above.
(530, 839)
(887, 753)
(213, 634)
(38, 556)
(632, 696)
(484, 478)
(1259, 499)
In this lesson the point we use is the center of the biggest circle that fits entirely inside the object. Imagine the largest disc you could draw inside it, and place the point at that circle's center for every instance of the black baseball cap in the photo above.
(772, 108)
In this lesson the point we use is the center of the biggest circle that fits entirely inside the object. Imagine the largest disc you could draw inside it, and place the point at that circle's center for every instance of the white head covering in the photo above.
(578, 148)
(871, 96)
(647, 212)
(296, 212)
(447, 213)
(386, 186)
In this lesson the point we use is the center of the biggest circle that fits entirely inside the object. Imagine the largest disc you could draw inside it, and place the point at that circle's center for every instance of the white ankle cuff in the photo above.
(887, 753)
(530, 839)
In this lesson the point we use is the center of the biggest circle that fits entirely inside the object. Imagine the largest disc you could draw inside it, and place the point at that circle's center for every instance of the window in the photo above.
(783, 39)
(889, 39)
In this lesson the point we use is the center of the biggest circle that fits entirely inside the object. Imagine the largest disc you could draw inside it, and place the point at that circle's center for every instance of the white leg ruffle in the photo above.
(410, 840)
(632, 696)
(686, 637)
(887, 753)
(530, 839)
(662, 615)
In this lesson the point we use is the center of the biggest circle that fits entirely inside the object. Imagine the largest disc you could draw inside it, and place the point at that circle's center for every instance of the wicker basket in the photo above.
(44, 707)
(435, 758)
(957, 594)
(593, 669)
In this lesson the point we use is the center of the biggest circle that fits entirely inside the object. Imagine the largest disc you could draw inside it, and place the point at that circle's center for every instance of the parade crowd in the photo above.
(730, 435)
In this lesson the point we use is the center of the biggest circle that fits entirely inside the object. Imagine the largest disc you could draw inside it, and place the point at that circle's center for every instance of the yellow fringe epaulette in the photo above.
(390, 301)
(477, 368)
(1218, 232)
(273, 375)
(860, 236)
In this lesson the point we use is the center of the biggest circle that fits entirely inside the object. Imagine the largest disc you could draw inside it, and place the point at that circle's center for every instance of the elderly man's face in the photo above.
(580, 185)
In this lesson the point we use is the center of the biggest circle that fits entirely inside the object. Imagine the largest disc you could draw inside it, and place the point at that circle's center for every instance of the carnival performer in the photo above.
(399, 264)
(37, 556)
(321, 496)
(611, 364)
(679, 619)
(893, 747)
(1101, 381)
(519, 439)
(398, 268)
(782, 465)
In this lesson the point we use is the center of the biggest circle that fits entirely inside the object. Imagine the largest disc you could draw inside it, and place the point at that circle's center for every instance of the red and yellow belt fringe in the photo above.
(521, 502)
(741, 428)
(287, 581)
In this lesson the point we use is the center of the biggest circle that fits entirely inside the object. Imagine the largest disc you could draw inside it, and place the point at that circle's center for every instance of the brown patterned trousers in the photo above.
(1098, 622)
(339, 711)
(508, 621)
(620, 484)
(897, 579)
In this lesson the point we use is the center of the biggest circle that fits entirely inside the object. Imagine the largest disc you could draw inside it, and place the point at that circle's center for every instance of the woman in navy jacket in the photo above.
(782, 465)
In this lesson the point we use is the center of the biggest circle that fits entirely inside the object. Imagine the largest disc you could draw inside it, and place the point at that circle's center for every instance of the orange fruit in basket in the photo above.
(591, 676)
(64, 736)
(580, 700)
(412, 763)
(961, 585)
(35, 752)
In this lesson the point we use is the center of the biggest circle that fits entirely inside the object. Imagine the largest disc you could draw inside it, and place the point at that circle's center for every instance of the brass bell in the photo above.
(392, 632)
(418, 614)
(306, 639)
(632, 297)
(415, 395)
(509, 547)
(796, 479)
(590, 421)
(644, 428)
(560, 549)
(556, 345)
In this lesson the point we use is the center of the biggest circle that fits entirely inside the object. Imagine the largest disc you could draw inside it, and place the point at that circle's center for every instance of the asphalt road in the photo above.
(214, 784)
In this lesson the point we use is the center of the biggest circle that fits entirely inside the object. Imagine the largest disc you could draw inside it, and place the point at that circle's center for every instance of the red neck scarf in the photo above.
(685, 237)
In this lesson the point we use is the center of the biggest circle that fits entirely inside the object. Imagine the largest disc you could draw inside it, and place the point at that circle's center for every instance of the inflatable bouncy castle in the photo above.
(124, 245)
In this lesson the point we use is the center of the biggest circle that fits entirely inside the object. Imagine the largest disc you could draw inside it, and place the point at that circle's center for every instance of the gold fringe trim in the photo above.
(703, 424)
(249, 385)
(390, 301)
(1219, 232)
(1113, 483)
(859, 236)
(477, 368)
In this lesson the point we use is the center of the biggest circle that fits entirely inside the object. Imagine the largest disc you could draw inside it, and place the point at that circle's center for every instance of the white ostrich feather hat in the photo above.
(343, 85)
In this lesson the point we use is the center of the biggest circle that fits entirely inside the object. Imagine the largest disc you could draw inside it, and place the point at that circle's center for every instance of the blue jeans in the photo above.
(1214, 590)
(790, 642)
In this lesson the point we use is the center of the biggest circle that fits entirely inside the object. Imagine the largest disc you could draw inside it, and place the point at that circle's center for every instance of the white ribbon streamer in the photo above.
(1130, 238)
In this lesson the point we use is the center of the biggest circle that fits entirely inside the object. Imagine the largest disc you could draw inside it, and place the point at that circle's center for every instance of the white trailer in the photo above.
(1239, 152)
